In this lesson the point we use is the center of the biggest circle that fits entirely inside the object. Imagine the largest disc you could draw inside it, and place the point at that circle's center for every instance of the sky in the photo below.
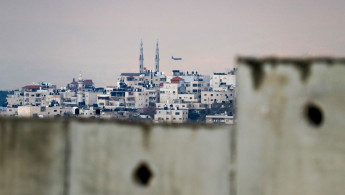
(53, 41)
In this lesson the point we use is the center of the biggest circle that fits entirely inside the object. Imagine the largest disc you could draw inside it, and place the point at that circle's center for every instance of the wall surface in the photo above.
(291, 127)
(33, 157)
(103, 157)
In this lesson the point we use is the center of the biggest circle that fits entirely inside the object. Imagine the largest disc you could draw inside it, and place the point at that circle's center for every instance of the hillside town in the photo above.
(152, 95)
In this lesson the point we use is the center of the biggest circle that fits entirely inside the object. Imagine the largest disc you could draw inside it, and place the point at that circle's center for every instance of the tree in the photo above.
(151, 111)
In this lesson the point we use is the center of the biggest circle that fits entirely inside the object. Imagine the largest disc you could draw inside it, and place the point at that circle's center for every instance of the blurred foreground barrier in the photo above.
(80, 158)
(290, 139)
(291, 126)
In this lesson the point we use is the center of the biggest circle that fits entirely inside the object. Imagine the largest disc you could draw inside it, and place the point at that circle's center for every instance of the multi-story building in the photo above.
(210, 97)
(87, 84)
(171, 115)
(33, 95)
(16, 99)
(223, 81)
(170, 91)
(69, 98)
(11, 112)
(138, 98)
(148, 79)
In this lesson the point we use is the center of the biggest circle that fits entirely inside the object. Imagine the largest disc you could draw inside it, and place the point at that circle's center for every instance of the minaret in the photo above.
(141, 58)
(80, 94)
(157, 57)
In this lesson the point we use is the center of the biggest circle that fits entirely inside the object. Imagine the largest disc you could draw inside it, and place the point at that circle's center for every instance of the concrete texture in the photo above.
(79, 157)
(32, 157)
(285, 146)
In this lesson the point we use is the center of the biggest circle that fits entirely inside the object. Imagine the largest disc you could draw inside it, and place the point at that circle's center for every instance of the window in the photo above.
(177, 113)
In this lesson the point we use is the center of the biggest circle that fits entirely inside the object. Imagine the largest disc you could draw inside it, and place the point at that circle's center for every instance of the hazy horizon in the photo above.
(54, 41)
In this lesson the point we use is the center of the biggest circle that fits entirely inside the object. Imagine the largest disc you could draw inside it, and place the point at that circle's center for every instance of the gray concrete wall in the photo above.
(284, 147)
(33, 157)
(103, 157)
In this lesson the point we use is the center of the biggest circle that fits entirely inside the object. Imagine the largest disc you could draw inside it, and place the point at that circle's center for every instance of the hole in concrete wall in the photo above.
(143, 174)
(314, 114)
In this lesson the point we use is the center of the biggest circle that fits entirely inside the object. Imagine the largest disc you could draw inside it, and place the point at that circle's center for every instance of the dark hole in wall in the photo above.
(314, 115)
(142, 174)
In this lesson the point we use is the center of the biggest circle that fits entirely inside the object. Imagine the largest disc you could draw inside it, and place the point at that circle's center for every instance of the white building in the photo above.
(171, 116)
(138, 98)
(91, 97)
(16, 99)
(28, 111)
(223, 81)
(210, 97)
(170, 91)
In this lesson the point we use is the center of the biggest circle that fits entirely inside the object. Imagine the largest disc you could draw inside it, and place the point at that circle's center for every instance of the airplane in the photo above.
(172, 57)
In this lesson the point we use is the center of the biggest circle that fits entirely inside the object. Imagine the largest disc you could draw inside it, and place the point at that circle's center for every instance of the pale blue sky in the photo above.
(54, 40)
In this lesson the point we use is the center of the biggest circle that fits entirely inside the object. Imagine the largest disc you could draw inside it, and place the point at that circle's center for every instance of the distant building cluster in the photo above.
(147, 95)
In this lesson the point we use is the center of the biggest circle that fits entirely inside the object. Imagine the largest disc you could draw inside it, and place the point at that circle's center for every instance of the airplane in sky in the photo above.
(172, 57)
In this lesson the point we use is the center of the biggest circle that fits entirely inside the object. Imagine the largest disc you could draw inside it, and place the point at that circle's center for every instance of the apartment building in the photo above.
(15, 100)
(210, 97)
(138, 98)
(170, 91)
(223, 81)
(147, 79)
(171, 115)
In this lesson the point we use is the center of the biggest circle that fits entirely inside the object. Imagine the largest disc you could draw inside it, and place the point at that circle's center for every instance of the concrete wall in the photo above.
(33, 157)
(79, 157)
(291, 127)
